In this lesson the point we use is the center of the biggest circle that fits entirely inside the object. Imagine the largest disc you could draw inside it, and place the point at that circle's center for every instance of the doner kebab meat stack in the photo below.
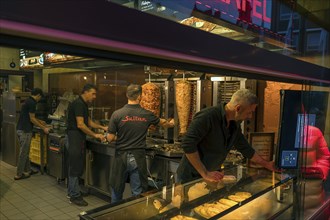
(183, 101)
(150, 99)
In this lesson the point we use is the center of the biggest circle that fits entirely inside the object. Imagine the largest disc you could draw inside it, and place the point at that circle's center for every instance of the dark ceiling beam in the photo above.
(104, 26)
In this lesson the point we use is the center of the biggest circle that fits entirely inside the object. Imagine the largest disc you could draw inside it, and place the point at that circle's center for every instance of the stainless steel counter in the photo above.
(161, 168)
(98, 158)
(99, 147)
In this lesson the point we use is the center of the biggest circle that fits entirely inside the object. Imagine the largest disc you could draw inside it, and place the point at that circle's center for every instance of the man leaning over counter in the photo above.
(78, 127)
(211, 135)
(25, 124)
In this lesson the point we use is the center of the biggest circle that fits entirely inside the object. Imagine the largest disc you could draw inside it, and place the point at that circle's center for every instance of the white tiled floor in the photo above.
(38, 197)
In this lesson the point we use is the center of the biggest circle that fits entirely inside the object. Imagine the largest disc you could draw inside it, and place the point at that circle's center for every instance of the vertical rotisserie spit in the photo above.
(151, 98)
(183, 101)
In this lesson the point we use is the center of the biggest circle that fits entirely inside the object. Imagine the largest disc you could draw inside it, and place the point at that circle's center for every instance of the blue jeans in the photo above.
(73, 186)
(24, 140)
(135, 183)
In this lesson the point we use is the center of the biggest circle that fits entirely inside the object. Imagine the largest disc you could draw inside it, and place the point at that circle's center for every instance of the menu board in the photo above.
(31, 59)
(263, 144)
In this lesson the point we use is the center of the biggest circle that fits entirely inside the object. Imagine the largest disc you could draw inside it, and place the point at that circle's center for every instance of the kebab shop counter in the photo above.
(237, 196)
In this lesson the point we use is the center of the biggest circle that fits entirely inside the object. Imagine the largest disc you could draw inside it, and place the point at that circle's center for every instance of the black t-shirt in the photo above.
(78, 108)
(209, 135)
(24, 122)
(131, 124)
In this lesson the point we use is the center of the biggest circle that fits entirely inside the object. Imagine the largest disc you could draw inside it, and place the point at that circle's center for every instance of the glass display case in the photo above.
(244, 193)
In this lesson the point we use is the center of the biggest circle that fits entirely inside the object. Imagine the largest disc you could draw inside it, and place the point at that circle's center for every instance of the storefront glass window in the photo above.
(268, 24)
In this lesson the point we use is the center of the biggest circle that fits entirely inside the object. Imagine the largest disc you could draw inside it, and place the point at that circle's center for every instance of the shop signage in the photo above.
(145, 5)
(36, 59)
(60, 58)
(31, 59)
(258, 8)
(256, 12)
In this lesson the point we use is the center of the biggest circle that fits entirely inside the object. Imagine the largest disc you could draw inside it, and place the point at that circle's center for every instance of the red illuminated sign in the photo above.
(251, 11)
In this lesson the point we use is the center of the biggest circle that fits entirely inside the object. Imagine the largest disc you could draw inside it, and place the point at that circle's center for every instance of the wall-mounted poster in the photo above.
(263, 143)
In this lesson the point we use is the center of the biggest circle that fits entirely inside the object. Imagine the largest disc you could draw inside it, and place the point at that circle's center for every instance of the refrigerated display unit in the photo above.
(239, 198)
(298, 110)
(12, 102)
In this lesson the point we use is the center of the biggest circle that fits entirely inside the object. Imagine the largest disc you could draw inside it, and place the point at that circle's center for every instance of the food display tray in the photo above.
(168, 153)
(165, 150)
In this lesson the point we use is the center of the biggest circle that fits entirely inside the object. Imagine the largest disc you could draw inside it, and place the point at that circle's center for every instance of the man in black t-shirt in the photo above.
(24, 133)
(78, 127)
(129, 126)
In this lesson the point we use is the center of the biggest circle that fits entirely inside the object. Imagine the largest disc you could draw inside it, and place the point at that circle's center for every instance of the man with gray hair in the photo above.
(211, 135)
(129, 126)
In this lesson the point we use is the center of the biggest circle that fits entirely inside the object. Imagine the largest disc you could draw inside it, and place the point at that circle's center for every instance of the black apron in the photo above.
(77, 153)
(119, 165)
